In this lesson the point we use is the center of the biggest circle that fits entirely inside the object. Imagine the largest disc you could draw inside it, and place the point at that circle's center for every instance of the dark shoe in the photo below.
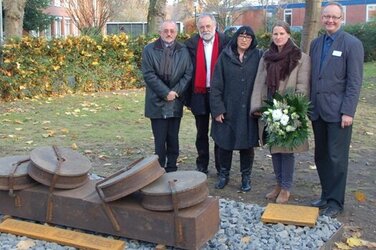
(246, 184)
(319, 203)
(203, 170)
(222, 182)
(332, 212)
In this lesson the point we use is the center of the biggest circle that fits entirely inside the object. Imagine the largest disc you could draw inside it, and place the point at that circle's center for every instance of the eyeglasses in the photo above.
(166, 31)
(334, 18)
(245, 37)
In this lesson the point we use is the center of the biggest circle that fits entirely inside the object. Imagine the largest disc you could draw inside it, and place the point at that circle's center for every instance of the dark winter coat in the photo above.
(197, 102)
(156, 105)
(231, 89)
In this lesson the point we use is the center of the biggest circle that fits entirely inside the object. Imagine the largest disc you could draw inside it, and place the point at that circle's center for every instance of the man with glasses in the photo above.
(167, 70)
(336, 77)
(204, 49)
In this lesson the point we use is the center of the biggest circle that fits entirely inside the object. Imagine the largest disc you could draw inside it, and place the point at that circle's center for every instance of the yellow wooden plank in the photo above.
(290, 214)
(60, 236)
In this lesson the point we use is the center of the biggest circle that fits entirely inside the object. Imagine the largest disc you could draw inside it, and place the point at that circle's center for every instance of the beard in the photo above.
(207, 36)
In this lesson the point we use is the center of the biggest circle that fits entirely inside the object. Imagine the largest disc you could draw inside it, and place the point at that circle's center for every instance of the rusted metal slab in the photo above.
(130, 179)
(290, 214)
(13, 173)
(82, 208)
(59, 235)
(59, 167)
(191, 188)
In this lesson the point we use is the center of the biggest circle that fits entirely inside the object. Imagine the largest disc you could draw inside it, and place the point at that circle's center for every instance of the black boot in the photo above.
(246, 162)
(225, 158)
(222, 182)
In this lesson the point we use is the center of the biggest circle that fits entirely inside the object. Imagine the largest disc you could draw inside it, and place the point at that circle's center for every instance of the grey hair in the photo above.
(167, 21)
(202, 15)
(340, 6)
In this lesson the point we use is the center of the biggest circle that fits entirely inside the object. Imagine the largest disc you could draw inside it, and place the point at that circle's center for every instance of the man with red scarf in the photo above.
(204, 49)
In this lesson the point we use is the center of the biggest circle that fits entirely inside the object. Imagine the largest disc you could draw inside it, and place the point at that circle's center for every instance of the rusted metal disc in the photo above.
(130, 179)
(190, 186)
(13, 173)
(73, 170)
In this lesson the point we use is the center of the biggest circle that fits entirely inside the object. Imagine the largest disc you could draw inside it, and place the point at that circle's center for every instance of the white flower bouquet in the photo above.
(286, 120)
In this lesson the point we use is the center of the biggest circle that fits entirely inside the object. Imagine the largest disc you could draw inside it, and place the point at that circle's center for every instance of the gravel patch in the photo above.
(241, 228)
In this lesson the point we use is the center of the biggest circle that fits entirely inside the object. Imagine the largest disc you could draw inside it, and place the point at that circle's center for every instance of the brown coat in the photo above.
(298, 79)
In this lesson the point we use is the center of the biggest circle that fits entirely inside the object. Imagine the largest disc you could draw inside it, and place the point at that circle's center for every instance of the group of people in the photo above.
(226, 80)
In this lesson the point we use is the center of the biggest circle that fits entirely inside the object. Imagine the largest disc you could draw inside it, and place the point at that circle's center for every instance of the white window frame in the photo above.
(58, 22)
(67, 26)
(369, 6)
(287, 12)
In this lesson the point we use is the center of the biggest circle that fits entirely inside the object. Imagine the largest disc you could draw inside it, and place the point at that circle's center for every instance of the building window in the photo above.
(67, 26)
(58, 27)
(371, 12)
(57, 3)
(288, 16)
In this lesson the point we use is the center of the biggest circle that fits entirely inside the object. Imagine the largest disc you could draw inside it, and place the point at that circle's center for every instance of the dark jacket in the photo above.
(336, 87)
(156, 105)
(231, 90)
(197, 102)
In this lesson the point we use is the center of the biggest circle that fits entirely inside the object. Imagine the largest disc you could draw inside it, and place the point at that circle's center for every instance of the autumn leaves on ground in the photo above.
(111, 130)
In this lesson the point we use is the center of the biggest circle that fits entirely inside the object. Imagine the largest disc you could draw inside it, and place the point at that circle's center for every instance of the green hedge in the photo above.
(35, 66)
(39, 67)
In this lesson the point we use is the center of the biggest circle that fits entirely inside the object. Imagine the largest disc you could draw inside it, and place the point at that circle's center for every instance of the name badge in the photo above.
(337, 53)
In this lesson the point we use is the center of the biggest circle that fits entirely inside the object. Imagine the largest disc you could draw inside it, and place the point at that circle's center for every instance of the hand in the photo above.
(346, 121)
(257, 114)
(171, 96)
(220, 118)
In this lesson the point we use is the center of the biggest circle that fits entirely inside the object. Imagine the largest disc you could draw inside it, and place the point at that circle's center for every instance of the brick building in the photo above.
(62, 25)
(356, 11)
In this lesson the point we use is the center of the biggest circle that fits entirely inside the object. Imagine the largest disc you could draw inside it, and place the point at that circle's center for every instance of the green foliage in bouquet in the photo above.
(286, 119)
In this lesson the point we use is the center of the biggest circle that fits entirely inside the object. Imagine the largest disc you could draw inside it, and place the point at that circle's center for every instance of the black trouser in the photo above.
(202, 143)
(246, 161)
(166, 141)
(332, 144)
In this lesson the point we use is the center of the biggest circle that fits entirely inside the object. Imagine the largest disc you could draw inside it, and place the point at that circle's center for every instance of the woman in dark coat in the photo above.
(231, 89)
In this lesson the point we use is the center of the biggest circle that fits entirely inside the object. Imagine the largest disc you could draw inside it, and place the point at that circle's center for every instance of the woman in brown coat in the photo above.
(284, 66)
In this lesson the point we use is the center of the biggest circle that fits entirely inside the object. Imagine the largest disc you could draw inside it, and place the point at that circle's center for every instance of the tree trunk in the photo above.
(13, 20)
(312, 24)
(156, 15)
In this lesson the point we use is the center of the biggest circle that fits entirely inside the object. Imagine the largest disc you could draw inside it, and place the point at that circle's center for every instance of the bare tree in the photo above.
(131, 11)
(13, 20)
(90, 16)
(311, 23)
(224, 10)
(156, 15)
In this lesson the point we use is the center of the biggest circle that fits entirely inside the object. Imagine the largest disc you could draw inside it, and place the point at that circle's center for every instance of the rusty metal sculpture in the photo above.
(113, 205)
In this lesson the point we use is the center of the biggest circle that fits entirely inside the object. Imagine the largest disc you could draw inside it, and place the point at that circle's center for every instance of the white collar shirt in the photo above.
(208, 48)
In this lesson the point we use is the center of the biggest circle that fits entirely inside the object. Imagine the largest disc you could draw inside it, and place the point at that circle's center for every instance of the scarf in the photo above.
(200, 75)
(166, 62)
(280, 64)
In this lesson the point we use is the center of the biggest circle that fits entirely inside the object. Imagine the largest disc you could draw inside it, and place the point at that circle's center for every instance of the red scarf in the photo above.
(200, 75)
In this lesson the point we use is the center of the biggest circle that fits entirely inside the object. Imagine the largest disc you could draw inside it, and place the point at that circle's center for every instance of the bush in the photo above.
(35, 66)
(365, 32)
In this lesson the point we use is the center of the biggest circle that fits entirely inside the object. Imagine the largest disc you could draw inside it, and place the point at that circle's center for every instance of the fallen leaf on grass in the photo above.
(360, 196)
(46, 122)
(354, 242)
(107, 164)
(64, 130)
(18, 122)
(88, 151)
(74, 146)
(342, 246)
(29, 142)
(18, 129)
(103, 157)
